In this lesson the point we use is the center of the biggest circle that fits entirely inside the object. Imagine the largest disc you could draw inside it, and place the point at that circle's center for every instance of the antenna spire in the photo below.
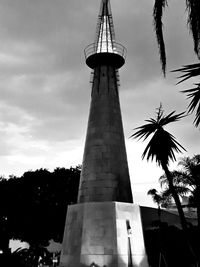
(105, 50)
(105, 34)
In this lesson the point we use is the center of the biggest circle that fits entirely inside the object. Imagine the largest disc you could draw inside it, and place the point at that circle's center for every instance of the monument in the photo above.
(104, 228)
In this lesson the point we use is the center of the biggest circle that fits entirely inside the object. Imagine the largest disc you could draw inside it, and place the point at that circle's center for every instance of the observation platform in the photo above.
(106, 53)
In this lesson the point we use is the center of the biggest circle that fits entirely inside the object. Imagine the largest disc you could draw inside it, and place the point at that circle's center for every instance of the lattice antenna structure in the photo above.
(105, 34)
(105, 50)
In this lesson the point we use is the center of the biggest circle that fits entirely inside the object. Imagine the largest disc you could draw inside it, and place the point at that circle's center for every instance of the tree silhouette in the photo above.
(187, 181)
(193, 21)
(189, 70)
(193, 94)
(162, 147)
(34, 206)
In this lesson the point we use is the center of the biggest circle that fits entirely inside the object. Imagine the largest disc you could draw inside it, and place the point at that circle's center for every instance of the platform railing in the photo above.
(105, 47)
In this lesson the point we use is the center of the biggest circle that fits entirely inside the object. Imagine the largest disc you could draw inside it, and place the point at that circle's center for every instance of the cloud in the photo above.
(45, 90)
(42, 66)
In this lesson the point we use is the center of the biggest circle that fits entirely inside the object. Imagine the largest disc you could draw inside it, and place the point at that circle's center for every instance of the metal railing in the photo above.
(105, 47)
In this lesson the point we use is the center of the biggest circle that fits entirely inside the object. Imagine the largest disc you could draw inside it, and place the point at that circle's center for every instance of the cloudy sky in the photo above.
(45, 90)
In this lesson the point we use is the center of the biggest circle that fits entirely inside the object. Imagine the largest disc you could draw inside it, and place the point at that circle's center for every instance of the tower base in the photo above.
(103, 234)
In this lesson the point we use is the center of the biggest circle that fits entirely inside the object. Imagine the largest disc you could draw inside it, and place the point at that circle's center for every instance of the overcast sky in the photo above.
(45, 90)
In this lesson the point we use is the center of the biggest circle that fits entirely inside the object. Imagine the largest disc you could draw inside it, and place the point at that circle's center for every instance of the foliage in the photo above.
(33, 207)
(157, 198)
(163, 145)
(190, 71)
(161, 199)
(186, 181)
(23, 257)
(30, 257)
(193, 10)
(158, 9)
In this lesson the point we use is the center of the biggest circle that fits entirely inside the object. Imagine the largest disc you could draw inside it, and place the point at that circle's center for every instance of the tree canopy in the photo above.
(33, 207)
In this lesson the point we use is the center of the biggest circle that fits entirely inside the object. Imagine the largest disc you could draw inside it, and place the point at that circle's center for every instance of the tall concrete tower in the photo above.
(105, 175)
(104, 228)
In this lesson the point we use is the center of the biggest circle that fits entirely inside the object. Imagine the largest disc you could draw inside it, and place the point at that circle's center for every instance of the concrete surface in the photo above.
(105, 234)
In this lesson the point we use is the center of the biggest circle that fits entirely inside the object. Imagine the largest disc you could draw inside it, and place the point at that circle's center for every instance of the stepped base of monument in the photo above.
(103, 234)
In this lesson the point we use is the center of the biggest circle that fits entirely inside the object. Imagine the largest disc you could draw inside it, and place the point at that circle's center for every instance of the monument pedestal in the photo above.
(105, 234)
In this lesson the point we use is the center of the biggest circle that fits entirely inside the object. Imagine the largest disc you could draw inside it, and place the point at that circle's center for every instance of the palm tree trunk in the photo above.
(176, 198)
(181, 213)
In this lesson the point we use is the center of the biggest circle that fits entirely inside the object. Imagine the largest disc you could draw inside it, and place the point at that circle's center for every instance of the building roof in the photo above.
(150, 216)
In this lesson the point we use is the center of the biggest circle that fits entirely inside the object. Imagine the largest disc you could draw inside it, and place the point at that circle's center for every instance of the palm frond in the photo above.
(159, 6)
(145, 130)
(180, 178)
(162, 147)
(188, 164)
(166, 198)
(189, 71)
(181, 191)
(171, 118)
(193, 8)
(167, 193)
(157, 198)
(163, 181)
(194, 95)
(191, 167)
(152, 192)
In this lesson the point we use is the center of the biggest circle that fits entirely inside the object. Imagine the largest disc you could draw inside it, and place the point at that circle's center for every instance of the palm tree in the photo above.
(191, 70)
(187, 181)
(191, 167)
(162, 198)
(162, 147)
(157, 198)
(178, 181)
(193, 10)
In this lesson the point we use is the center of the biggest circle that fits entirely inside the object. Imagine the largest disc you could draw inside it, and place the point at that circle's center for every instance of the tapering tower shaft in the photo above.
(105, 175)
